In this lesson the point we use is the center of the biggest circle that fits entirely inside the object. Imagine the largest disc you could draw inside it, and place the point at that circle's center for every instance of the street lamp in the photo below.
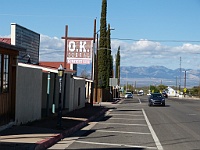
(60, 75)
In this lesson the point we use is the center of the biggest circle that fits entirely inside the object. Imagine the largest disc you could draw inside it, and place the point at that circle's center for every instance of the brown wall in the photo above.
(103, 95)
(7, 100)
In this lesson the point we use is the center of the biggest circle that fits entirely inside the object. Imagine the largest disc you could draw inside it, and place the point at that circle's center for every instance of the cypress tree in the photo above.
(102, 51)
(117, 70)
(109, 57)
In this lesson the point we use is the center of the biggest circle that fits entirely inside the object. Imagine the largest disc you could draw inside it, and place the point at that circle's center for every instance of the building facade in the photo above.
(28, 39)
(8, 67)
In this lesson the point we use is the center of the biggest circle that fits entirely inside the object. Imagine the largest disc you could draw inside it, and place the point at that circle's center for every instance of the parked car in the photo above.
(140, 93)
(165, 94)
(128, 95)
(156, 99)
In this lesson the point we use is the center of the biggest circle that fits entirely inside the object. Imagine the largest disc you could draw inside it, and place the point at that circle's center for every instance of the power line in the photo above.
(180, 41)
(29, 15)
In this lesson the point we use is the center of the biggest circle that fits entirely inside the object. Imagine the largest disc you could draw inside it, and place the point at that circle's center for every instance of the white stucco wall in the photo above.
(28, 95)
(79, 84)
(31, 94)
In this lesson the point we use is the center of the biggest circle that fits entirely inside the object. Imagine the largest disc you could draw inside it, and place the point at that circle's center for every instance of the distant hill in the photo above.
(153, 75)
(147, 72)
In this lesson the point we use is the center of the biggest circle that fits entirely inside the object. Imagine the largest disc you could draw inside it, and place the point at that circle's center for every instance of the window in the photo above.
(4, 73)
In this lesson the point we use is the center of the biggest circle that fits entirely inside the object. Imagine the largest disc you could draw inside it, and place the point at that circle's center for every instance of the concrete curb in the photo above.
(9, 125)
(118, 101)
(46, 143)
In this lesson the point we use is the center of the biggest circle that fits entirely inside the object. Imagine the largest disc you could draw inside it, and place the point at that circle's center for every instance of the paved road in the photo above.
(178, 124)
(133, 125)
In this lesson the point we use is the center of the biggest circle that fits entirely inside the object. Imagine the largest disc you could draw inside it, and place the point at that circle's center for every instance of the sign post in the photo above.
(79, 50)
(114, 83)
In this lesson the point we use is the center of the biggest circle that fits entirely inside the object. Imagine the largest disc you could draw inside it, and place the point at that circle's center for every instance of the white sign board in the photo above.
(113, 81)
(79, 51)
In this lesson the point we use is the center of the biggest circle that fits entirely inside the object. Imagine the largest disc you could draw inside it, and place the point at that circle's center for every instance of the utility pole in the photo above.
(176, 84)
(180, 77)
(126, 82)
(185, 80)
(65, 55)
(96, 70)
(185, 85)
(93, 71)
(135, 85)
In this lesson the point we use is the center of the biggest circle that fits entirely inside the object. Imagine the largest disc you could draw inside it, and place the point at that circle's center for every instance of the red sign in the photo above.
(79, 51)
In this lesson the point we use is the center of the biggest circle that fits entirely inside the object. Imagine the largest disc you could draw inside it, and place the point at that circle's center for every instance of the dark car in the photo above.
(165, 94)
(156, 99)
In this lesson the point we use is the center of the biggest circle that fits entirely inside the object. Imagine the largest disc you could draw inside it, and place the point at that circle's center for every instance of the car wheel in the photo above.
(163, 104)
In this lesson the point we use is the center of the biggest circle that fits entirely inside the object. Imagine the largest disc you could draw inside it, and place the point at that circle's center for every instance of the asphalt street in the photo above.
(132, 124)
(178, 124)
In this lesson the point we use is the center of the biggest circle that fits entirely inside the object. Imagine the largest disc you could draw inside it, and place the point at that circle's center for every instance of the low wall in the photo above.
(79, 94)
(28, 95)
(36, 92)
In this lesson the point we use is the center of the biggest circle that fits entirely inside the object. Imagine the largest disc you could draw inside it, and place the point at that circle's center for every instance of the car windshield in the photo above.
(128, 93)
(156, 95)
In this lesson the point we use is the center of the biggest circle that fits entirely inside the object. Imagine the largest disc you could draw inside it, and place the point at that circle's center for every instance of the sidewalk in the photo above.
(41, 134)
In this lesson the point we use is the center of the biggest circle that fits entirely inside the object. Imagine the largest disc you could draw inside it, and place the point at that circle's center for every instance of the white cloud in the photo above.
(146, 53)
(51, 48)
(137, 53)
(51, 43)
(188, 48)
(5, 36)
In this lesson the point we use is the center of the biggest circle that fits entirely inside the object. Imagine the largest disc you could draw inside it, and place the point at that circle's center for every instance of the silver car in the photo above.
(128, 95)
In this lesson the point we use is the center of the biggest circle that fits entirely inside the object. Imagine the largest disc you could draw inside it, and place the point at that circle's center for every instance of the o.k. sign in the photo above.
(79, 51)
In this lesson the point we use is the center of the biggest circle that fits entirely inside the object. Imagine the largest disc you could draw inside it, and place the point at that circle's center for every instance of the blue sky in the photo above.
(159, 32)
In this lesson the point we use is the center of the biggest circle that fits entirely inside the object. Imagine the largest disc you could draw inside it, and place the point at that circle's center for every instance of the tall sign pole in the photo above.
(65, 56)
(93, 53)
(80, 50)
(93, 70)
(96, 70)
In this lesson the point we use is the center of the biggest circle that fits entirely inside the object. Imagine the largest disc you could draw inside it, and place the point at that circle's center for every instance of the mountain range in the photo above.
(160, 75)
(145, 76)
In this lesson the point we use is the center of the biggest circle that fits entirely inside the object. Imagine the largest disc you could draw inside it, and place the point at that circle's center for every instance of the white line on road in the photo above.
(129, 111)
(126, 119)
(113, 114)
(124, 124)
(66, 142)
(122, 132)
(112, 144)
(192, 114)
(139, 100)
(157, 142)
